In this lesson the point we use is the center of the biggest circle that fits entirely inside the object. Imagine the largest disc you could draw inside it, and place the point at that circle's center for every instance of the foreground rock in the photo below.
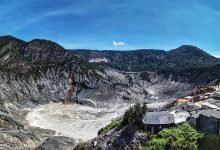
(13, 135)
(57, 143)
(126, 138)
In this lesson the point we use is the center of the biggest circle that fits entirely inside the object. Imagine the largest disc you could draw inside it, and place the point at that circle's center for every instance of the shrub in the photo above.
(134, 115)
(210, 141)
(113, 124)
(182, 137)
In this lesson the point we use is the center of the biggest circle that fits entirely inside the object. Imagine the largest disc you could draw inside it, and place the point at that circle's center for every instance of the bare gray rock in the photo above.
(57, 143)
(127, 138)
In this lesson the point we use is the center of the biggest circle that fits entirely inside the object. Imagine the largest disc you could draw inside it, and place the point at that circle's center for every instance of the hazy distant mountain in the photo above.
(151, 60)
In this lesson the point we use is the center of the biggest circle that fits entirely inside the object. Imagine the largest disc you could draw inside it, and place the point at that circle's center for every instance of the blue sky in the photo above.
(115, 24)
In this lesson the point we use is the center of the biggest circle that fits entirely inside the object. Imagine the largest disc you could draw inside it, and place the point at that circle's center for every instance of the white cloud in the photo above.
(119, 43)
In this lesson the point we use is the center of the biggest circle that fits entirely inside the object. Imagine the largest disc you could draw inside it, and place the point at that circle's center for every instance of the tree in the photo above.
(134, 115)
(182, 137)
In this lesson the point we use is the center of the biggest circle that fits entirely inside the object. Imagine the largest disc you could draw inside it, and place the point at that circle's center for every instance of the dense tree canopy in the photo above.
(182, 137)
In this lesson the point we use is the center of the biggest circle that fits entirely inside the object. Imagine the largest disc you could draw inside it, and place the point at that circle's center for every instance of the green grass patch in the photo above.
(113, 124)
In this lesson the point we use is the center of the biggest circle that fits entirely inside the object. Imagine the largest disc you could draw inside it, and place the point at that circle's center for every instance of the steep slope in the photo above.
(180, 62)
(45, 51)
(29, 70)
(190, 55)
(10, 58)
(13, 134)
(138, 60)
(151, 60)
(123, 56)
(47, 67)
(125, 139)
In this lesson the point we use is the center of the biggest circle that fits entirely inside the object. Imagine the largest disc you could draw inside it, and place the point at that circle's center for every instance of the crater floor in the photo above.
(76, 121)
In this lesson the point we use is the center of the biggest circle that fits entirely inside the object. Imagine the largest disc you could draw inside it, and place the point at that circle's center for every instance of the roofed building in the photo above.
(155, 121)
(207, 121)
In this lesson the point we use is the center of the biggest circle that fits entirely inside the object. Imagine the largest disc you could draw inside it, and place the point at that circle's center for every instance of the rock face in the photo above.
(186, 63)
(43, 67)
(45, 51)
(12, 133)
(57, 143)
(71, 91)
(9, 54)
(126, 138)
(38, 70)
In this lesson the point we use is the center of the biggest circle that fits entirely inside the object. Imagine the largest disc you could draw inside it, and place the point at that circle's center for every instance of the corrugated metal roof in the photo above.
(211, 113)
(210, 105)
(162, 117)
(214, 101)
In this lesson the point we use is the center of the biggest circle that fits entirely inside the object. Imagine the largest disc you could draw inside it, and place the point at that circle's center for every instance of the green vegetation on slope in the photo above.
(209, 142)
(183, 57)
(185, 63)
(133, 115)
(182, 137)
(113, 124)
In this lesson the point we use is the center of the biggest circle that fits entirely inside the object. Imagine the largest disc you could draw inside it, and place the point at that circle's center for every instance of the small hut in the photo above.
(156, 121)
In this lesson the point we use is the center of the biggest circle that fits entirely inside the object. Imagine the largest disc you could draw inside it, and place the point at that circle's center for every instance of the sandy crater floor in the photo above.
(76, 121)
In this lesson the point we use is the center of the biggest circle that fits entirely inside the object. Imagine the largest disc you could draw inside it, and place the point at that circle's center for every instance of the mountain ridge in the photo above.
(182, 57)
(179, 62)
(182, 47)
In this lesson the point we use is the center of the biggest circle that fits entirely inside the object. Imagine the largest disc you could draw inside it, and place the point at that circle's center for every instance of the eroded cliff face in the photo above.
(41, 86)
(13, 134)
(126, 138)
(34, 73)
(39, 70)
(102, 87)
